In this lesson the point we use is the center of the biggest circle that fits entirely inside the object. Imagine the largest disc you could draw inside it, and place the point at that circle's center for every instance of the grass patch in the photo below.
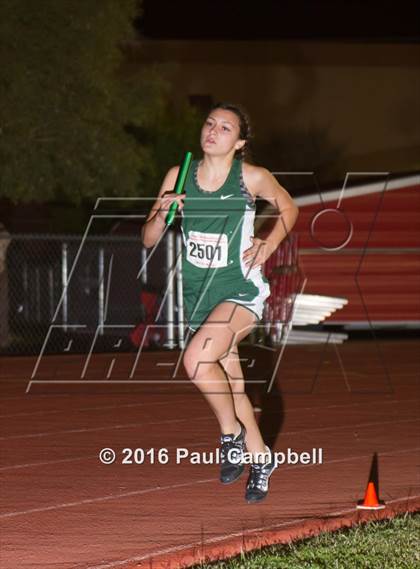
(375, 545)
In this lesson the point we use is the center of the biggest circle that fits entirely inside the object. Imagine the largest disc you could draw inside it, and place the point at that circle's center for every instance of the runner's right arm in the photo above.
(155, 222)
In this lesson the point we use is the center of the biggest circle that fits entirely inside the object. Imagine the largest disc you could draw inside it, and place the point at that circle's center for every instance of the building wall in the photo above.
(363, 100)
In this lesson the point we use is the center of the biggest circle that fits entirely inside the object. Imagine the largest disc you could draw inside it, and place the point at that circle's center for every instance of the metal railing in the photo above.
(56, 289)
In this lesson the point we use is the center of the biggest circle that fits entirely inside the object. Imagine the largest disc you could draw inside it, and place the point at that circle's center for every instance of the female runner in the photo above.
(223, 285)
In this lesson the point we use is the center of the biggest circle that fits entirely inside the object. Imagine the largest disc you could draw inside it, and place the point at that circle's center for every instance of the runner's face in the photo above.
(220, 133)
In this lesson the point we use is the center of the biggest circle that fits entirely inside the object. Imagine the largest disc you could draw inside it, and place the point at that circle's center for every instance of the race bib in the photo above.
(207, 249)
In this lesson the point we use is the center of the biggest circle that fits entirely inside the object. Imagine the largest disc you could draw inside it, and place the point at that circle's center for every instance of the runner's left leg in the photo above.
(224, 327)
(243, 407)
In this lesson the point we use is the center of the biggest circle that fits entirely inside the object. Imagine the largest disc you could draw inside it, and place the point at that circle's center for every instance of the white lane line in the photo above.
(47, 462)
(353, 426)
(100, 407)
(104, 498)
(74, 459)
(356, 404)
(92, 456)
(183, 485)
(174, 401)
(45, 395)
(104, 428)
(227, 536)
(202, 418)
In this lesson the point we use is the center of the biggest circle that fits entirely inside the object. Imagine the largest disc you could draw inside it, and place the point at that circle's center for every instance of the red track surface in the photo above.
(62, 508)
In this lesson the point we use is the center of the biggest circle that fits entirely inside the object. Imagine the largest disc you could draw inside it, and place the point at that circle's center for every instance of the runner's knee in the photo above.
(197, 362)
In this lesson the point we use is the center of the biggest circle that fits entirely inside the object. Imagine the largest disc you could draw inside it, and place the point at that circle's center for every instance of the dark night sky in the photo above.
(358, 20)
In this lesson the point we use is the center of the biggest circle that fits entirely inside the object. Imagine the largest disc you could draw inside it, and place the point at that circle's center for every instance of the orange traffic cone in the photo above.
(370, 501)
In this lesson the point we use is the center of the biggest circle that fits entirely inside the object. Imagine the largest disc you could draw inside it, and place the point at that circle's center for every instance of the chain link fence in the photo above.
(62, 290)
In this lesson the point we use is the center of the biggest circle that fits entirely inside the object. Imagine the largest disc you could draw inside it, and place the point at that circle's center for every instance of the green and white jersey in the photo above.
(217, 227)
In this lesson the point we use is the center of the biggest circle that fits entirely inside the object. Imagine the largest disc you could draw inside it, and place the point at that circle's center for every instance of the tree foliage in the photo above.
(71, 125)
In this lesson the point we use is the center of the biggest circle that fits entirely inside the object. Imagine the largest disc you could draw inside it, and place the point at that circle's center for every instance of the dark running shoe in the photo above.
(259, 476)
(231, 455)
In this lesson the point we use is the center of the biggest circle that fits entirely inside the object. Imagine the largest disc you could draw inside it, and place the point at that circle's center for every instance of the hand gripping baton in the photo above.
(179, 186)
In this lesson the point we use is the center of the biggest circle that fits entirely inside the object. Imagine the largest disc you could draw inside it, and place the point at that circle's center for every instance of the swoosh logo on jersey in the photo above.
(242, 293)
(224, 197)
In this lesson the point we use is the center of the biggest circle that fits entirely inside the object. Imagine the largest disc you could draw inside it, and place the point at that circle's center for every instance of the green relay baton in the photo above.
(179, 186)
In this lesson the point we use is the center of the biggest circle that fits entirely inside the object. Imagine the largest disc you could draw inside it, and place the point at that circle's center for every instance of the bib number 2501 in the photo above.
(207, 249)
